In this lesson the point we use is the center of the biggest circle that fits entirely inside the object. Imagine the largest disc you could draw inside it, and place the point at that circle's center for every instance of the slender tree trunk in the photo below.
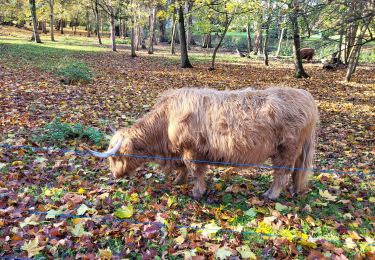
(185, 63)
(188, 7)
(248, 34)
(356, 51)
(162, 37)
(227, 23)
(62, 22)
(265, 47)
(97, 21)
(52, 19)
(152, 31)
(174, 33)
(35, 36)
(112, 28)
(133, 37)
(44, 27)
(300, 72)
(87, 22)
(280, 42)
(339, 45)
(266, 38)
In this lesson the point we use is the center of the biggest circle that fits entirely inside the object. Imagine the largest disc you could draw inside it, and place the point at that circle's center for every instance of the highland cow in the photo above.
(307, 53)
(242, 127)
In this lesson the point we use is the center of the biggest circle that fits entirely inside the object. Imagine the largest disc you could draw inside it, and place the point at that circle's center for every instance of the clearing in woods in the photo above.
(334, 218)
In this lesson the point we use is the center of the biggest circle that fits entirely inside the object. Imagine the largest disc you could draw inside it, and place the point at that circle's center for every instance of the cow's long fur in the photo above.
(244, 126)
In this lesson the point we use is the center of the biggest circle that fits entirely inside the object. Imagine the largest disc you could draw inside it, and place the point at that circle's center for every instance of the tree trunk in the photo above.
(280, 42)
(87, 23)
(97, 22)
(185, 63)
(52, 19)
(162, 37)
(174, 33)
(188, 7)
(62, 26)
(265, 47)
(152, 31)
(248, 34)
(356, 51)
(228, 21)
(35, 36)
(133, 38)
(339, 45)
(112, 28)
(44, 27)
(258, 41)
(300, 72)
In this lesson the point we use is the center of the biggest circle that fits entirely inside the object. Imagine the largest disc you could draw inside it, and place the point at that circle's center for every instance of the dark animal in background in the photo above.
(307, 53)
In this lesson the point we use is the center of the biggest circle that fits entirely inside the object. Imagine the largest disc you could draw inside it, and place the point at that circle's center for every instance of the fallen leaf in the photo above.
(325, 194)
(245, 252)
(125, 212)
(223, 253)
(32, 247)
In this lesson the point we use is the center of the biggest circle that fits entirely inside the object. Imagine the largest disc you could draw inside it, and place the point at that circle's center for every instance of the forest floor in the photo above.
(65, 205)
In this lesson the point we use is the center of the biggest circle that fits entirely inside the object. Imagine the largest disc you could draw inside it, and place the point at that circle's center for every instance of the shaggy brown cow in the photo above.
(245, 126)
(307, 53)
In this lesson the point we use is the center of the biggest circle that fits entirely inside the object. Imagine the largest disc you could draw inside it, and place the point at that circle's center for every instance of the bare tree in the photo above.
(248, 36)
(52, 19)
(185, 63)
(300, 72)
(35, 36)
(152, 31)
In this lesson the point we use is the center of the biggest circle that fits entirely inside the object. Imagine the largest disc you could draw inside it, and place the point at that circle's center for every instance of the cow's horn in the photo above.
(109, 153)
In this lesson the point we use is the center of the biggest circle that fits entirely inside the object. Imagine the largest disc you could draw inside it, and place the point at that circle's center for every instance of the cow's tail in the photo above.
(304, 163)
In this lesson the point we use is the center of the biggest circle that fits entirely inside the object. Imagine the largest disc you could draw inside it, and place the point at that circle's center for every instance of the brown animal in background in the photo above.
(307, 53)
(245, 126)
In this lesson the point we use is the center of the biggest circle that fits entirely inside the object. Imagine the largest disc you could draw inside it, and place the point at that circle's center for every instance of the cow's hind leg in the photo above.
(283, 163)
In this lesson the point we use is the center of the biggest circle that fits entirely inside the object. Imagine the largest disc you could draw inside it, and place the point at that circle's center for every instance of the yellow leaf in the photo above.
(105, 254)
(307, 243)
(134, 197)
(325, 194)
(359, 199)
(125, 212)
(17, 163)
(32, 247)
(372, 199)
(81, 191)
(48, 192)
(170, 201)
(349, 243)
(354, 235)
(179, 240)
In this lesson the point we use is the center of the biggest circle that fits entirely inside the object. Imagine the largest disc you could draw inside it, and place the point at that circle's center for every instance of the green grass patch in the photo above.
(48, 56)
(75, 71)
(57, 132)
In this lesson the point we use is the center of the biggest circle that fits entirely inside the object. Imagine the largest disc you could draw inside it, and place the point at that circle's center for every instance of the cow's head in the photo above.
(119, 154)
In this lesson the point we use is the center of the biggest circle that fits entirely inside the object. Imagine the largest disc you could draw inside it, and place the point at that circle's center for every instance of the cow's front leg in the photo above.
(283, 162)
(280, 181)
